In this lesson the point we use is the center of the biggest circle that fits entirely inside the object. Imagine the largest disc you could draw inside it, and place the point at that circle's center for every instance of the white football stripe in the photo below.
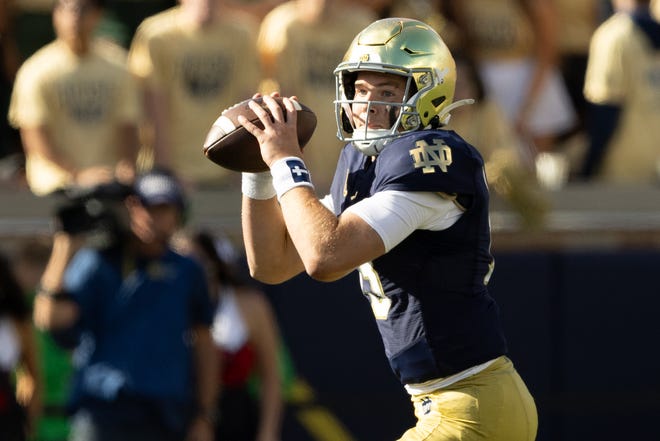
(221, 127)
(225, 124)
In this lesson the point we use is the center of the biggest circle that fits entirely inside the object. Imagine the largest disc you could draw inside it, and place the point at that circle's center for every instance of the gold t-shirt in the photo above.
(200, 72)
(81, 101)
(500, 29)
(303, 57)
(624, 70)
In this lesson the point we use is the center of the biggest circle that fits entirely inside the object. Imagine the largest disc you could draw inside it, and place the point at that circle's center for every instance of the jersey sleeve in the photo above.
(604, 79)
(394, 215)
(28, 106)
(80, 280)
(81, 284)
(432, 161)
(144, 58)
(139, 59)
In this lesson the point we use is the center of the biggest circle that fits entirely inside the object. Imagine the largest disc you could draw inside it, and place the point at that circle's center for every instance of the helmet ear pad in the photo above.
(431, 101)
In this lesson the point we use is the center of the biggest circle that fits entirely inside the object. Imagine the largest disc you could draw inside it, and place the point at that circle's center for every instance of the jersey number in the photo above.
(372, 288)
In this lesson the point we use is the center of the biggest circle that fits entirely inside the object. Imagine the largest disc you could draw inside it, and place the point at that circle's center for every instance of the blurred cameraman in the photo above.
(140, 315)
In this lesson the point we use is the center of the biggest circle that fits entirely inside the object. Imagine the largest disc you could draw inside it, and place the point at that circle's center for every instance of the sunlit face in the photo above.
(165, 219)
(156, 224)
(377, 86)
(74, 22)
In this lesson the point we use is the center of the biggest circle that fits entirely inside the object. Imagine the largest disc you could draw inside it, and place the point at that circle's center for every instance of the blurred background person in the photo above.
(193, 61)
(138, 313)
(34, 26)
(20, 402)
(257, 9)
(123, 17)
(76, 105)
(623, 87)
(29, 261)
(514, 43)
(432, 12)
(300, 43)
(484, 126)
(247, 336)
(577, 20)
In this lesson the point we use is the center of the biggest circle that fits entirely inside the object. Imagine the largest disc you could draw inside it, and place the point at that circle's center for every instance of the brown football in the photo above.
(231, 146)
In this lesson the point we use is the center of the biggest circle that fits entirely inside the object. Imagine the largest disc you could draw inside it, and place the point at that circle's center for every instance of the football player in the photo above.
(408, 208)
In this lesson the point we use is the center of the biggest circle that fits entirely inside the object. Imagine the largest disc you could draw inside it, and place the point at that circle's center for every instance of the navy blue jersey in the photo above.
(429, 292)
(135, 333)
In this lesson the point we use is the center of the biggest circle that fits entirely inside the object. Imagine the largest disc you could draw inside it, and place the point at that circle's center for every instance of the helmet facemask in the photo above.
(404, 47)
(403, 115)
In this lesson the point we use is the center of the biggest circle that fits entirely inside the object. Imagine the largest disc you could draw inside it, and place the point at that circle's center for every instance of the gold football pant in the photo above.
(492, 405)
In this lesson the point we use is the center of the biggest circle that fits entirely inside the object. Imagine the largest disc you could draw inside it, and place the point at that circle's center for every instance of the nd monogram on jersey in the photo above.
(427, 156)
(444, 271)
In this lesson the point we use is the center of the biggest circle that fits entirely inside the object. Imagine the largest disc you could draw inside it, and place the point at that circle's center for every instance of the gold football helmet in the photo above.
(398, 46)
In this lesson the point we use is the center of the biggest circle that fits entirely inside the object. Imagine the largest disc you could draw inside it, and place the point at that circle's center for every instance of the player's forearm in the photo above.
(271, 407)
(29, 353)
(207, 366)
(544, 19)
(311, 227)
(29, 382)
(266, 339)
(156, 105)
(329, 247)
(51, 312)
(65, 246)
(543, 15)
(271, 381)
(54, 314)
(271, 256)
(128, 152)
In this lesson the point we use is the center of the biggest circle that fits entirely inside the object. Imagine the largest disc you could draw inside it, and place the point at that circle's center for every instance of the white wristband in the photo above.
(288, 173)
(258, 185)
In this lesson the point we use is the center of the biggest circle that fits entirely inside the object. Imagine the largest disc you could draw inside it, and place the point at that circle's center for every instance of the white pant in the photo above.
(507, 83)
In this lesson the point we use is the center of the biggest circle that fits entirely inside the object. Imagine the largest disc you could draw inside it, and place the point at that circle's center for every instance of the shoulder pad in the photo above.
(431, 160)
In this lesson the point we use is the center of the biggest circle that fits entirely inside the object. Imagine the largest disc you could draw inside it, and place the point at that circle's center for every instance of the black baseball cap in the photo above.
(157, 187)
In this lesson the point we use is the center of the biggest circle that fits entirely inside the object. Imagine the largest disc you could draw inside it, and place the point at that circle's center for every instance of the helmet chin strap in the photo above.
(372, 147)
(369, 147)
(444, 115)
